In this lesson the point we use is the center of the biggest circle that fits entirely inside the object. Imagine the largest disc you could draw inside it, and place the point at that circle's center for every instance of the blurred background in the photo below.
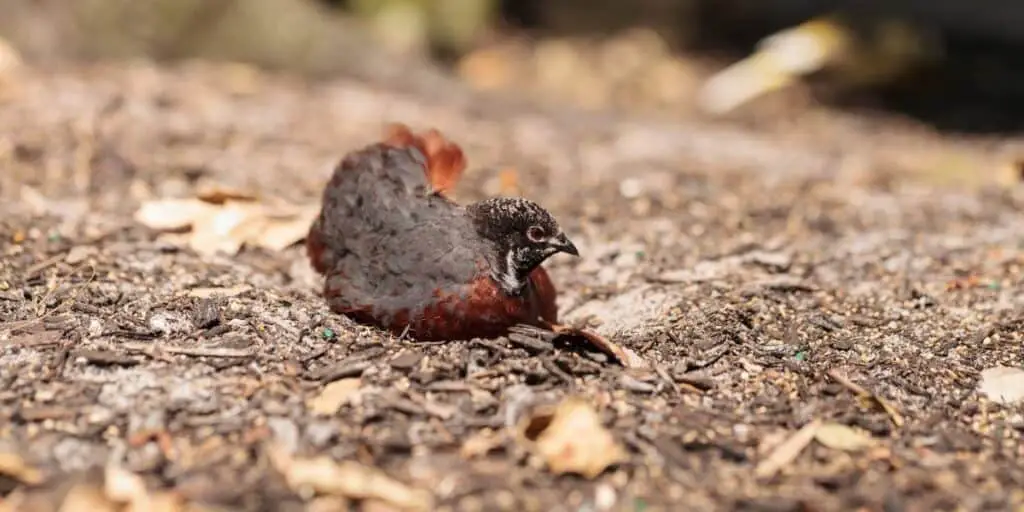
(951, 64)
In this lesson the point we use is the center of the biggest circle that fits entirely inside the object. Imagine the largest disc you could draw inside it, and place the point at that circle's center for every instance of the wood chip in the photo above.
(335, 395)
(842, 437)
(482, 443)
(153, 349)
(787, 451)
(36, 339)
(106, 358)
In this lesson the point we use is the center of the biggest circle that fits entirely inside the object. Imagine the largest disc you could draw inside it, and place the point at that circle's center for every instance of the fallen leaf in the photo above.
(347, 479)
(571, 439)
(15, 466)
(335, 395)
(123, 486)
(87, 498)
(11, 63)
(282, 233)
(173, 214)
(328, 504)
(1004, 384)
(223, 220)
(481, 443)
(10, 58)
(227, 229)
(626, 356)
(842, 437)
(787, 451)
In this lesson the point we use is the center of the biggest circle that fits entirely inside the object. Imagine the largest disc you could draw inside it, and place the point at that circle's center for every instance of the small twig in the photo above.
(552, 368)
(492, 346)
(149, 349)
(35, 269)
(530, 344)
(857, 389)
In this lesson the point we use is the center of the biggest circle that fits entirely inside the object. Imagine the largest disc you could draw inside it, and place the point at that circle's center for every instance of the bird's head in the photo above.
(523, 233)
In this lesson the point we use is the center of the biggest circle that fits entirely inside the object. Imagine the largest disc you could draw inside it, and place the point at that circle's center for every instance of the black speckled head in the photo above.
(524, 235)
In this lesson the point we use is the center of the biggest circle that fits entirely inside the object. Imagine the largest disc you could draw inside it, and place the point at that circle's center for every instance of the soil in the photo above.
(771, 278)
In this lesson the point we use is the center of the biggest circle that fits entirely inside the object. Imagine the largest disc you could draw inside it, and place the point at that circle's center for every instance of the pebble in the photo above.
(165, 322)
(319, 433)
(79, 254)
(631, 188)
(604, 497)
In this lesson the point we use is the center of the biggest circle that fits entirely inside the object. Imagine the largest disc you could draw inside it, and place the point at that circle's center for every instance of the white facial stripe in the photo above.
(508, 278)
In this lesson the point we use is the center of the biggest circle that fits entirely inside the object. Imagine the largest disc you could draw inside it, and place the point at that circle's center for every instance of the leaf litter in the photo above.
(349, 479)
(1003, 384)
(570, 438)
(335, 395)
(223, 220)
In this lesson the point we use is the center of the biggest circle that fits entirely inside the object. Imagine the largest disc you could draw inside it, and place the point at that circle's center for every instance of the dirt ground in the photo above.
(772, 274)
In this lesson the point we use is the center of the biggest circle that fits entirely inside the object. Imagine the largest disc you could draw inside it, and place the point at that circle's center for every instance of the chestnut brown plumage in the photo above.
(398, 253)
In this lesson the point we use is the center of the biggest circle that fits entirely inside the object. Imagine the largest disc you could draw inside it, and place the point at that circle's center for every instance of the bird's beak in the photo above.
(561, 243)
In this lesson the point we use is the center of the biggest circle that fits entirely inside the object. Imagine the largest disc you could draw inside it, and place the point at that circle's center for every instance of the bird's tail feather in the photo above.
(445, 159)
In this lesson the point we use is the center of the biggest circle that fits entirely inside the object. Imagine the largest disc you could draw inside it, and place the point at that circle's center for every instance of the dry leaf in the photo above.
(15, 466)
(10, 58)
(227, 229)
(1003, 384)
(328, 504)
(481, 443)
(787, 451)
(335, 395)
(87, 498)
(123, 486)
(842, 437)
(173, 214)
(626, 356)
(348, 479)
(282, 233)
(571, 439)
(223, 221)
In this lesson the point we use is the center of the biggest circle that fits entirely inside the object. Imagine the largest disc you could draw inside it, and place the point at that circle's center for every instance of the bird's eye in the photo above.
(535, 234)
